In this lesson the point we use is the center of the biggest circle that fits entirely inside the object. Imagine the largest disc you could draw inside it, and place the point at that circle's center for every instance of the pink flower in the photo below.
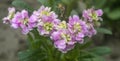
(63, 39)
(77, 27)
(91, 17)
(91, 30)
(10, 15)
(23, 21)
(67, 34)
(91, 14)
(47, 19)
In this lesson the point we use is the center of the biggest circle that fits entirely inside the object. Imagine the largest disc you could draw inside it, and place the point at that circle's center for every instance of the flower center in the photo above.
(66, 37)
(48, 26)
(11, 15)
(25, 21)
(62, 25)
(77, 27)
(45, 13)
(93, 15)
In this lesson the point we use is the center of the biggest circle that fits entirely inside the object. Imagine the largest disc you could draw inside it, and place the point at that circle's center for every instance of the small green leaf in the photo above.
(98, 59)
(104, 31)
(23, 56)
(94, 54)
(89, 56)
(32, 55)
(101, 51)
(86, 54)
(94, 59)
(22, 4)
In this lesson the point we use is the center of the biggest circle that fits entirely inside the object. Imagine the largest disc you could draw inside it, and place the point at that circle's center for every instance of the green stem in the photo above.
(49, 50)
(63, 57)
(31, 41)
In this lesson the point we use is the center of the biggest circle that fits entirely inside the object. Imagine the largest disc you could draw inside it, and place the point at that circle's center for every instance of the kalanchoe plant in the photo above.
(46, 32)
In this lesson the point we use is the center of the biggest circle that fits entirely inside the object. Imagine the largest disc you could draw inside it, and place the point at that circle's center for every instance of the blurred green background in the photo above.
(12, 41)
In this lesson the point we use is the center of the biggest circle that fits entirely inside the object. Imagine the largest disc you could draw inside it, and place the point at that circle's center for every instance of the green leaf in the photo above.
(32, 55)
(115, 14)
(89, 56)
(94, 54)
(98, 59)
(30, 41)
(106, 10)
(23, 56)
(22, 4)
(86, 54)
(104, 31)
(94, 59)
(85, 45)
(101, 51)
(73, 54)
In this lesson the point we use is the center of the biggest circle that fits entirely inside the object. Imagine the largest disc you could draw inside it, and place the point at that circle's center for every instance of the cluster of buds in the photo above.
(64, 34)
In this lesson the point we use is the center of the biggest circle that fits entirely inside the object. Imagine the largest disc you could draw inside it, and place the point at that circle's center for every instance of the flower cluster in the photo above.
(64, 34)
(67, 34)
(20, 20)
(46, 20)
(91, 17)
(10, 15)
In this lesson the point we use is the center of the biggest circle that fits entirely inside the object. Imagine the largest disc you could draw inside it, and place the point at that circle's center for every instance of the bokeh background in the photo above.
(12, 41)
